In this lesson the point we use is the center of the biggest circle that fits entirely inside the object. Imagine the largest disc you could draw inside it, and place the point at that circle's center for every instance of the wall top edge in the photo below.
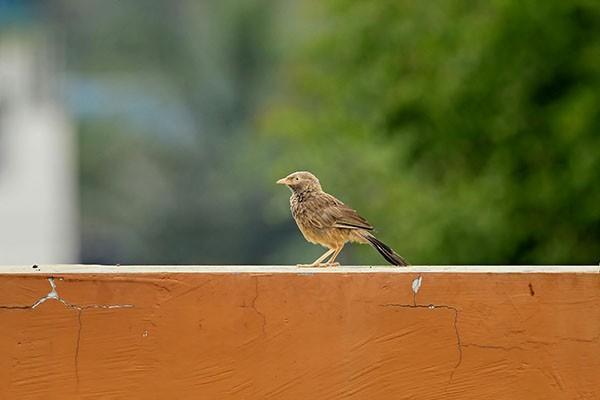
(287, 269)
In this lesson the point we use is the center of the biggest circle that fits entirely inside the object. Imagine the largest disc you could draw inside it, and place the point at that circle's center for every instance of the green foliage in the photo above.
(467, 132)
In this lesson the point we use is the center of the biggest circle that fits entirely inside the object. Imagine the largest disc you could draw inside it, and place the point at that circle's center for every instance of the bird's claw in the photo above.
(318, 265)
(309, 265)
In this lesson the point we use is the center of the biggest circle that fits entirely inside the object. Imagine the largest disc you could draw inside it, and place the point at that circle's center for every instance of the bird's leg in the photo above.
(331, 261)
(318, 261)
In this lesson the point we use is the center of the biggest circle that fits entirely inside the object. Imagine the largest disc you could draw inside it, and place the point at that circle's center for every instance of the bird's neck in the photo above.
(304, 193)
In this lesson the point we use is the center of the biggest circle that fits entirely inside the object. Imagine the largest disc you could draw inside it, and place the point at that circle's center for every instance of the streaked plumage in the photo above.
(327, 221)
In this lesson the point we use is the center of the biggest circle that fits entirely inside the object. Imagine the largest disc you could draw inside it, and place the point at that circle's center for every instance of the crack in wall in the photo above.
(53, 295)
(523, 344)
(459, 345)
(77, 345)
(253, 306)
(12, 307)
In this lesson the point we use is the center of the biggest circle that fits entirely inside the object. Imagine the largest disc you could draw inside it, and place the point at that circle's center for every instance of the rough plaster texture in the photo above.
(300, 335)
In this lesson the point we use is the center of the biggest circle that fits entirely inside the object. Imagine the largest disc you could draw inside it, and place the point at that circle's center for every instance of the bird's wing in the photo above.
(333, 213)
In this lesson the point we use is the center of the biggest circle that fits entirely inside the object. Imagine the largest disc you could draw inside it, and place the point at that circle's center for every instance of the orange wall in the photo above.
(300, 336)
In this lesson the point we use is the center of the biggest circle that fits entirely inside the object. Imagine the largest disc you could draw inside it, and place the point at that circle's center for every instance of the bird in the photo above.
(327, 221)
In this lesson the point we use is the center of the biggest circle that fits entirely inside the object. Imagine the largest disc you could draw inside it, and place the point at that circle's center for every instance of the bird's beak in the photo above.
(282, 181)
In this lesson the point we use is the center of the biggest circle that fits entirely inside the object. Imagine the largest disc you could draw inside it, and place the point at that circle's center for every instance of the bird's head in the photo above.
(300, 181)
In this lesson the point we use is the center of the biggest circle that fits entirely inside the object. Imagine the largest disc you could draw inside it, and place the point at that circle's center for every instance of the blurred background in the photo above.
(152, 132)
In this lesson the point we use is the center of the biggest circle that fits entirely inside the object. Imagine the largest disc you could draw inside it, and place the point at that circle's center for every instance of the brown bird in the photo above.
(327, 221)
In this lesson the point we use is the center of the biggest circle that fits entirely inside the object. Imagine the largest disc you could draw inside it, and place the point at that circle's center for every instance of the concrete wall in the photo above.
(283, 333)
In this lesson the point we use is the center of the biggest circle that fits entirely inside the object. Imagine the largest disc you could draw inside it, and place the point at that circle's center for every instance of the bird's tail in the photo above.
(390, 255)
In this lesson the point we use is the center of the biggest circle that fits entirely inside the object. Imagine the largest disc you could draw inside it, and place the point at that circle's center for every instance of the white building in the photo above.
(38, 175)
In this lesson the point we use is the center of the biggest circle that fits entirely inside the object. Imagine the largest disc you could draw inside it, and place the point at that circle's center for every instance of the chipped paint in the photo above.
(416, 284)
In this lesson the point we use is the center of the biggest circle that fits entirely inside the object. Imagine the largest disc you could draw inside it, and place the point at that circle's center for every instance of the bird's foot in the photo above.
(313, 265)
(333, 264)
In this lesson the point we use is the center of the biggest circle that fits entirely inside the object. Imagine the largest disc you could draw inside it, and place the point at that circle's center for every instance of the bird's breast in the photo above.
(306, 214)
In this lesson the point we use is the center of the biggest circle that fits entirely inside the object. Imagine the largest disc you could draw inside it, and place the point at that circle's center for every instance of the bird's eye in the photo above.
(297, 178)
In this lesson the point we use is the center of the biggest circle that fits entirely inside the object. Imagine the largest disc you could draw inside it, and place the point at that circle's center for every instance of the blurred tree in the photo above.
(164, 93)
(468, 132)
